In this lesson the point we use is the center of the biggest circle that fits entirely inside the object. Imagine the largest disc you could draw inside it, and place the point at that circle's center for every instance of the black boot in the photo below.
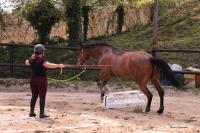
(42, 105)
(32, 107)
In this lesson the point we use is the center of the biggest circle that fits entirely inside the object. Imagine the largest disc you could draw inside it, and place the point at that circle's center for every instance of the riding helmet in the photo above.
(39, 48)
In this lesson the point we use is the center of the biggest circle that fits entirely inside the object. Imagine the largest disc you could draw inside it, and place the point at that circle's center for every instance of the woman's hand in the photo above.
(61, 65)
(27, 63)
(30, 60)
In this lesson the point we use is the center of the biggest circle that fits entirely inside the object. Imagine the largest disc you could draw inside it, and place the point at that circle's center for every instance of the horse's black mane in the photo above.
(93, 45)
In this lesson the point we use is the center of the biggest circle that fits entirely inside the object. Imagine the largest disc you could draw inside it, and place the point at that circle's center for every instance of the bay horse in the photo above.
(138, 66)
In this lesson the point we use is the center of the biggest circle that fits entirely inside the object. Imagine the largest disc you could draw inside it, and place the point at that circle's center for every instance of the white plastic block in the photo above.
(123, 99)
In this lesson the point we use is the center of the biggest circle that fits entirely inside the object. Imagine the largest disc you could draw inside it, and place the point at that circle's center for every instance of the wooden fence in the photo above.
(13, 57)
(183, 57)
(11, 48)
(9, 61)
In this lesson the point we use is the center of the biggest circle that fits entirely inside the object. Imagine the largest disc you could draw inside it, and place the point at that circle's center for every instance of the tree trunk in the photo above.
(138, 19)
(120, 18)
(155, 23)
(73, 18)
(2, 23)
(85, 12)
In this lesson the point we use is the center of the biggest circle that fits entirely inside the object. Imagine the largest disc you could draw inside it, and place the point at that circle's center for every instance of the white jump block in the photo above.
(123, 99)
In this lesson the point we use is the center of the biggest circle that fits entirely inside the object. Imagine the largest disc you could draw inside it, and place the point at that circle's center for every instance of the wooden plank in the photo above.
(47, 47)
(177, 50)
(186, 72)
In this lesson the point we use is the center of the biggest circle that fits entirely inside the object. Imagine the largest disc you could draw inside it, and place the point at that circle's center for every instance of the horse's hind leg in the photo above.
(149, 95)
(161, 94)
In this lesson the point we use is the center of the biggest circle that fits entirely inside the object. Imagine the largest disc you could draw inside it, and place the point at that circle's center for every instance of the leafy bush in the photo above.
(42, 17)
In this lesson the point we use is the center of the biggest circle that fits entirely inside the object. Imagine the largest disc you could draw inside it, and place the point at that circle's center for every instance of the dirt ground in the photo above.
(78, 110)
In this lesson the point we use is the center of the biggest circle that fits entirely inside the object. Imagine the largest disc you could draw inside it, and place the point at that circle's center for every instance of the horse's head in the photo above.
(94, 51)
(82, 56)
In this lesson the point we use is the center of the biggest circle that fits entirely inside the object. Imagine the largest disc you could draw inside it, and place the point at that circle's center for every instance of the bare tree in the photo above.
(155, 23)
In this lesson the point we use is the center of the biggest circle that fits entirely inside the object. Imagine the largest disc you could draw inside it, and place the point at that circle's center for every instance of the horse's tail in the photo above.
(166, 69)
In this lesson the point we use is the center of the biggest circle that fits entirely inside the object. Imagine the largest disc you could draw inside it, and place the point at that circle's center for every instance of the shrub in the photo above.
(42, 17)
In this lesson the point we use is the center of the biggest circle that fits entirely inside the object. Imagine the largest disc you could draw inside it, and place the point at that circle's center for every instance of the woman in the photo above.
(38, 82)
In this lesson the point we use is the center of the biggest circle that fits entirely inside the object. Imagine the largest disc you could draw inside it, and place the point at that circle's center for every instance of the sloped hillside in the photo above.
(181, 27)
(178, 28)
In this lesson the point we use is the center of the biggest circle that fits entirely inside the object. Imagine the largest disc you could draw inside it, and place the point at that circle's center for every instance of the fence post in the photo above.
(11, 59)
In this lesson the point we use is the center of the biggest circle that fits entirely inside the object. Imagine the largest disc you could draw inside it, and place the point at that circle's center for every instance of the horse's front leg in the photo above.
(102, 81)
(101, 85)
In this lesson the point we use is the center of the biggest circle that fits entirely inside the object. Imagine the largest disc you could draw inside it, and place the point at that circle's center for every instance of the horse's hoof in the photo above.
(160, 111)
(147, 109)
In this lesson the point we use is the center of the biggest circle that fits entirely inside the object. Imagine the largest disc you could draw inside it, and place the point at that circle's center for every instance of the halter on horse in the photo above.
(138, 66)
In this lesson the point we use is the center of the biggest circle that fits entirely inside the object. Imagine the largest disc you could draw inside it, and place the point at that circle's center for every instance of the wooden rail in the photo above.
(31, 46)
(154, 51)
(177, 50)
(11, 48)
(186, 72)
